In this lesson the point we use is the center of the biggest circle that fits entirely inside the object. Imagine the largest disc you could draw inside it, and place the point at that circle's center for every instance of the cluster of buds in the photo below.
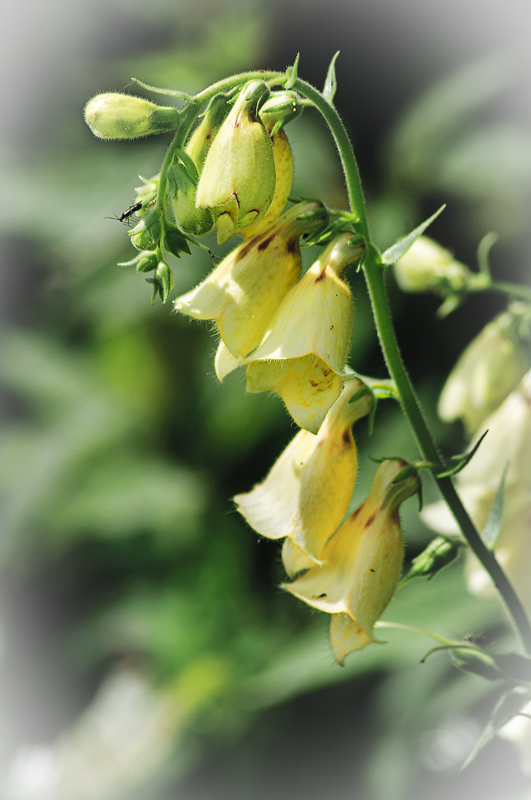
(490, 390)
(348, 568)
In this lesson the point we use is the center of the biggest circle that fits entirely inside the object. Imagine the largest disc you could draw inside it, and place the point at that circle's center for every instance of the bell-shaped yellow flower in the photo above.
(307, 492)
(305, 350)
(237, 182)
(243, 293)
(362, 563)
(488, 370)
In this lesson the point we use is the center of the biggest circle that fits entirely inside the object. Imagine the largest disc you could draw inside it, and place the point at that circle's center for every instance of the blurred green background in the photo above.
(146, 651)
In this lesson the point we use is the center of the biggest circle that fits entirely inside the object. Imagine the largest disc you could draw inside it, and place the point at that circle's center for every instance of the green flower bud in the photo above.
(279, 109)
(438, 554)
(147, 262)
(193, 220)
(474, 660)
(162, 282)
(238, 178)
(428, 267)
(146, 235)
(123, 116)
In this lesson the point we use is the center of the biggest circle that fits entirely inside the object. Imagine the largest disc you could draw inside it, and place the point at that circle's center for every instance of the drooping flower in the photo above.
(304, 353)
(307, 492)
(507, 446)
(488, 370)
(243, 293)
(237, 182)
(361, 563)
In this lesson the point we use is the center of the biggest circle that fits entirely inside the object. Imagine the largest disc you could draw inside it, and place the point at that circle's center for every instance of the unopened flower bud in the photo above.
(438, 554)
(428, 267)
(124, 116)
(147, 262)
(279, 109)
(307, 492)
(361, 563)
(305, 351)
(243, 293)
(146, 235)
(487, 372)
(238, 178)
(284, 172)
(199, 221)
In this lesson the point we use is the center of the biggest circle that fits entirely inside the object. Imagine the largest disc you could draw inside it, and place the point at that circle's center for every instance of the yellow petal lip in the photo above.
(307, 492)
(242, 294)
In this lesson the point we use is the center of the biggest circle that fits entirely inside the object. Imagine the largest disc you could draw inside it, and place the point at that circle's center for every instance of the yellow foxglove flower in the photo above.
(307, 492)
(362, 563)
(488, 370)
(507, 444)
(284, 172)
(238, 178)
(305, 350)
(243, 293)
(428, 267)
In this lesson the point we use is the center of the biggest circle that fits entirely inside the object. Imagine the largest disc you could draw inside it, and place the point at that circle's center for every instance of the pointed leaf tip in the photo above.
(397, 250)
(330, 86)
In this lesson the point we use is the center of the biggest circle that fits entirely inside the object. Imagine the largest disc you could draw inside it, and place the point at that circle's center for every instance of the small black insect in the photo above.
(130, 211)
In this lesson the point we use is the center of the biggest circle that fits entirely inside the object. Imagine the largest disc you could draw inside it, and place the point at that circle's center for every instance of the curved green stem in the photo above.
(375, 277)
(513, 289)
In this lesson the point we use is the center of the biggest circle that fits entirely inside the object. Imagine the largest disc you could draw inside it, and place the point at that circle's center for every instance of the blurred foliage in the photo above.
(142, 626)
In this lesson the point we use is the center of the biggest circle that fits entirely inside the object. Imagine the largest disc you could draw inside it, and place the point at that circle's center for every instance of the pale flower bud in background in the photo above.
(362, 563)
(488, 370)
(124, 116)
(507, 444)
(428, 267)
(308, 489)
(305, 351)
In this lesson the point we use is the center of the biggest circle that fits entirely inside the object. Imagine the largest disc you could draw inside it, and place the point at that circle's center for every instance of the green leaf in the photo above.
(291, 73)
(462, 460)
(492, 529)
(330, 86)
(507, 707)
(397, 250)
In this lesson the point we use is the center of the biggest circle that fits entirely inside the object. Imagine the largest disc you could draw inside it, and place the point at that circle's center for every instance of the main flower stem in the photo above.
(375, 277)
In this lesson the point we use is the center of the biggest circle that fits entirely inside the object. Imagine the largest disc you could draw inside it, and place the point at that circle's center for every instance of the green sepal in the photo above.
(493, 528)
(507, 707)
(330, 86)
(175, 242)
(397, 250)
(462, 460)
(291, 73)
